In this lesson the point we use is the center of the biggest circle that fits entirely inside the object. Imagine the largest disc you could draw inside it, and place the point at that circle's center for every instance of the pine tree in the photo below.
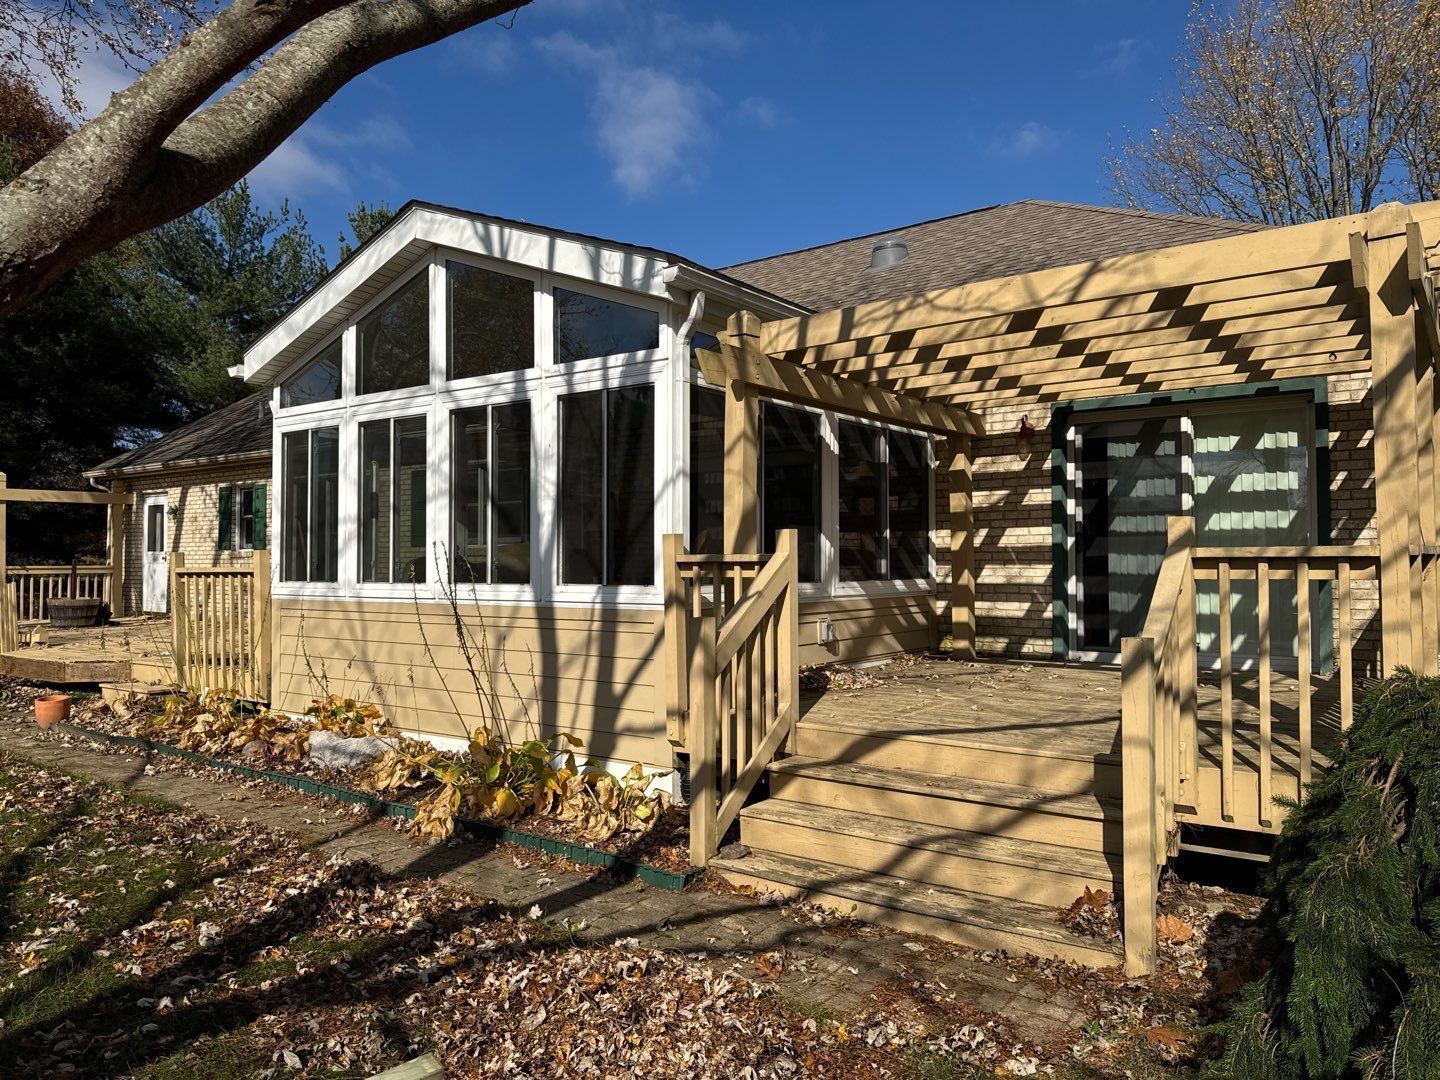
(1352, 925)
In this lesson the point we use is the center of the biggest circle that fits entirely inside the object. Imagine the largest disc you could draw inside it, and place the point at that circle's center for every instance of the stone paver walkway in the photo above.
(828, 973)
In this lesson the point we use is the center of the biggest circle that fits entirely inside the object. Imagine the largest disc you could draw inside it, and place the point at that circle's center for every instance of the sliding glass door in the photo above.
(1244, 471)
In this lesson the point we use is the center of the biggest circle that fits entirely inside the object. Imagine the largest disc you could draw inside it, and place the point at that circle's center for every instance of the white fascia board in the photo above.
(685, 278)
(534, 248)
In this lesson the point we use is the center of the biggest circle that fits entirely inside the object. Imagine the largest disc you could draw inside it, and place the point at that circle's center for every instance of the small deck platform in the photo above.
(134, 648)
(1072, 711)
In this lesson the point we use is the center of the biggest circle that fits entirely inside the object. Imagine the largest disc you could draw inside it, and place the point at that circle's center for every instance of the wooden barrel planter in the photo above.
(68, 612)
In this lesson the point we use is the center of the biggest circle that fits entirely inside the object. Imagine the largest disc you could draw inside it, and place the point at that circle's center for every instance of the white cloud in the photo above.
(1027, 140)
(99, 73)
(295, 168)
(1111, 59)
(761, 111)
(487, 50)
(673, 32)
(320, 157)
(650, 125)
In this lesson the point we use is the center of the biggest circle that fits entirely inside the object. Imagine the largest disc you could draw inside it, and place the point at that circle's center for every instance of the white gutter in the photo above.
(691, 278)
(687, 328)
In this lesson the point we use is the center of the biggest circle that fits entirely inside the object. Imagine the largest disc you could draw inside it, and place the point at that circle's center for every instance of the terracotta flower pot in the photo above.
(50, 708)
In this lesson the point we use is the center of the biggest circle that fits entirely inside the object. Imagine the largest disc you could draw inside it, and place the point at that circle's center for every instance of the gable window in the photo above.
(242, 517)
(790, 482)
(588, 326)
(707, 470)
(310, 482)
(607, 487)
(491, 321)
(392, 500)
(319, 380)
(392, 343)
(490, 494)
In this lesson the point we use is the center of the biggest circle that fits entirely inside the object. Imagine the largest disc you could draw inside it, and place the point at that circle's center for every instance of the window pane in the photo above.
(375, 501)
(909, 507)
(393, 341)
(707, 470)
(324, 503)
(245, 517)
(587, 326)
(295, 476)
(630, 462)
(408, 541)
(155, 527)
(702, 340)
(469, 467)
(319, 380)
(492, 321)
(862, 501)
(511, 493)
(582, 495)
(790, 481)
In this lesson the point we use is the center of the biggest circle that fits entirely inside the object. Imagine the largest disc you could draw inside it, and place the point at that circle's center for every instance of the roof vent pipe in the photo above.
(888, 251)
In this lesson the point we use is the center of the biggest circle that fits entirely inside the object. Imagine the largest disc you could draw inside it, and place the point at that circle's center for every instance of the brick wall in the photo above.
(1015, 590)
(192, 523)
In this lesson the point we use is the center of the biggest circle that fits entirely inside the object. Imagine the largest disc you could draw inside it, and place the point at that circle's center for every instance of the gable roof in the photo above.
(990, 242)
(241, 430)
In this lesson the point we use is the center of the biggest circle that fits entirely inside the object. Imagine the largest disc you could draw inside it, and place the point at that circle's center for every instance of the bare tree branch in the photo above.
(149, 156)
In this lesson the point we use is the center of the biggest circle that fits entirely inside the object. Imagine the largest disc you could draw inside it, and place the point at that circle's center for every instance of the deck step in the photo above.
(860, 740)
(971, 919)
(1041, 873)
(955, 802)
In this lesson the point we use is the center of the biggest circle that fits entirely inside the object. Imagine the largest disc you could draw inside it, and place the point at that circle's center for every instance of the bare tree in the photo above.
(162, 146)
(1295, 110)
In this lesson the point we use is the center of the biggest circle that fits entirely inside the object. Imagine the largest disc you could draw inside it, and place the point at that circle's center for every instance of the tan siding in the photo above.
(867, 628)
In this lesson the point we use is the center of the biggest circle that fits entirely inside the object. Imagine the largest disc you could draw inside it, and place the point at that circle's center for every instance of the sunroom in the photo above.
(491, 419)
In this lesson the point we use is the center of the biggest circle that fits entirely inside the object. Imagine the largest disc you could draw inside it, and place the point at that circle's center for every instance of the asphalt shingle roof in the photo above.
(991, 242)
(241, 428)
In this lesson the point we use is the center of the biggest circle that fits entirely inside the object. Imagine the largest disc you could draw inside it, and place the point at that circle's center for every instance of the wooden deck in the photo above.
(137, 647)
(1072, 711)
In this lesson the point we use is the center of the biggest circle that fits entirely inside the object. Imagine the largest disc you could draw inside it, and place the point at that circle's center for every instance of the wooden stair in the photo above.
(923, 832)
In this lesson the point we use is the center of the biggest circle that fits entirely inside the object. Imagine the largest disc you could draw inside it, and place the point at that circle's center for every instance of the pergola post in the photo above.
(742, 446)
(116, 513)
(1395, 396)
(962, 549)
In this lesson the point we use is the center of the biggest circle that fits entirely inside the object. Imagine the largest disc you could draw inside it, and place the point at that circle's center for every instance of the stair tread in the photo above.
(925, 732)
(960, 788)
(953, 905)
(1034, 854)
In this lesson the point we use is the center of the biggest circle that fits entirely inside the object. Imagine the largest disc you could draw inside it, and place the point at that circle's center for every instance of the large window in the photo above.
(392, 343)
(319, 380)
(392, 500)
(310, 477)
(908, 523)
(790, 481)
(492, 321)
(884, 508)
(587, 326)
(607, 487)
(707, 470)
(490, 494)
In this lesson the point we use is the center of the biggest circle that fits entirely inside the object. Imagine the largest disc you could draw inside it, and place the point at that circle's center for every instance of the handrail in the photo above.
(732, 671)
(36, 585)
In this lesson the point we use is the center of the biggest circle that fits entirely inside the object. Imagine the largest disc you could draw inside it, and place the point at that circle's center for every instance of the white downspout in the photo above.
(687, 328)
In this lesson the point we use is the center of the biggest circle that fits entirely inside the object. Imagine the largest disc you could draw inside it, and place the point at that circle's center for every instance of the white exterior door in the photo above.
(156, 569)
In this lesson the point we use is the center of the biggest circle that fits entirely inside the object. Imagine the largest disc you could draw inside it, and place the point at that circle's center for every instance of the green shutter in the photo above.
(223, 541)
(260, 517)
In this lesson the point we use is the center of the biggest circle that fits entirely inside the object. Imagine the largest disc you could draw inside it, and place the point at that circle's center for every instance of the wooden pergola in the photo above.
(1346, 295)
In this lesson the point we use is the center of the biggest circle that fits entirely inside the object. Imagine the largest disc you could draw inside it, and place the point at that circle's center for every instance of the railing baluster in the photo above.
(1262, 587)
(1347, 673)
(1227, 705)
(1302, 608)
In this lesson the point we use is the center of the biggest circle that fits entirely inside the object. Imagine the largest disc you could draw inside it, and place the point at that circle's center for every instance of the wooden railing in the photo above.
(732, 663)
(1165, 778)
(9, 621)
(35, 585)
(221, 626)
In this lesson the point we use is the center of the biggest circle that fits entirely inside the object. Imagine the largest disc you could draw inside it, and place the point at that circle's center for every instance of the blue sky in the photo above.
(731, 131)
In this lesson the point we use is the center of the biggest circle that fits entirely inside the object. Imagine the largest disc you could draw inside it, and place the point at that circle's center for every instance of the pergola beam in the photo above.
(745, 365)
(46, 495)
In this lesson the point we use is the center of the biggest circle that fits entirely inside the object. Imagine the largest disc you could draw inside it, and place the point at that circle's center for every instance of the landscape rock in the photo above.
(334, 751)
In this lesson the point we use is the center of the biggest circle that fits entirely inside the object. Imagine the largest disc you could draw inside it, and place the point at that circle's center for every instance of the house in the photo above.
(201, 490)
(533, 479)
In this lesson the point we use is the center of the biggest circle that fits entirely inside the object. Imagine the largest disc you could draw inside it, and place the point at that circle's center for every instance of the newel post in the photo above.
(1137, 766)
(962, 549)
(179, 620)
(702, 733)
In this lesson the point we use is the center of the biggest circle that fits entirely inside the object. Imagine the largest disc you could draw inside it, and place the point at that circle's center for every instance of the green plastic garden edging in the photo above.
(580, 853)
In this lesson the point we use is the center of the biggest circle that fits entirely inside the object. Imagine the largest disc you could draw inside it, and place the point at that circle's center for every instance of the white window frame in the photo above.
(235, 538)
(440, 323)
(294, 369)
(302, 589)
(350, 380)
(661, 354)
(388, 589)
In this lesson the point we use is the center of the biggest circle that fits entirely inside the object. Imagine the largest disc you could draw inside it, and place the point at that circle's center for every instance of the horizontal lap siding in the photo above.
(1015, 521)
(550, 669)
(867, 628)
